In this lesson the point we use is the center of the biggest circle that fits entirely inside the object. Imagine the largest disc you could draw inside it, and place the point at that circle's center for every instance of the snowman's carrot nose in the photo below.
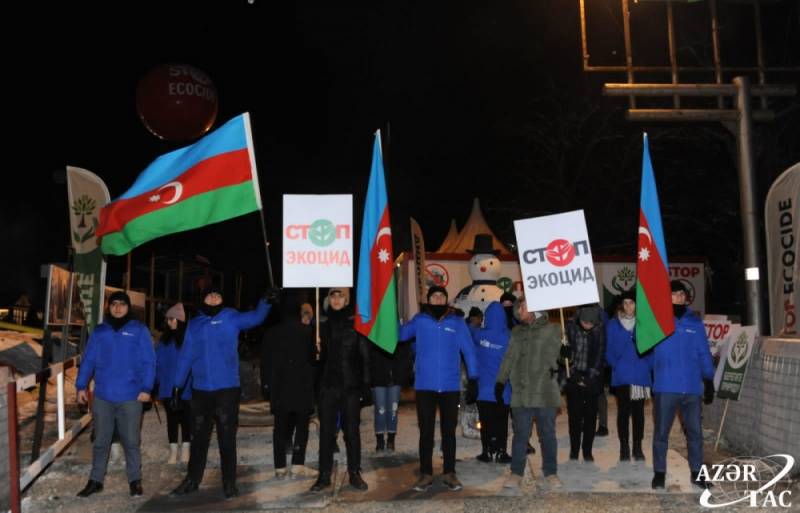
(483, 269)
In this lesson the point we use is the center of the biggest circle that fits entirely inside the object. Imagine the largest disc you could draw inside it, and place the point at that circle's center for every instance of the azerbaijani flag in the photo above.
(376, 300)
(210, 181)
(654, 321)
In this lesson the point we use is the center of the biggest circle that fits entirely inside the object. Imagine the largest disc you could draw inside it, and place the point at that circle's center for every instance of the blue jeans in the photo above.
(665, 405)
(522, 419)
(126, 416)
(386, 401)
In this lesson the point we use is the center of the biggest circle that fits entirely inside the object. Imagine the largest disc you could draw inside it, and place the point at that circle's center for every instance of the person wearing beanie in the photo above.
(474, 319)
(292, 353)
(587, 342)
(442, 337)
(344, 383)
(630, 376)
(119, 357)
(178, 415)
(683, 373)
(530, 366)
(507, 300)
(210, 355)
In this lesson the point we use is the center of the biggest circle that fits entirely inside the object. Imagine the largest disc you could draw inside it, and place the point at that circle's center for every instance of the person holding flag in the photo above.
(681, 359)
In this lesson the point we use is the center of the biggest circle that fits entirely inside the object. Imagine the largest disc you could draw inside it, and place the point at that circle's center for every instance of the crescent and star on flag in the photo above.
(178, 192)
(644, 249)
(384, 254)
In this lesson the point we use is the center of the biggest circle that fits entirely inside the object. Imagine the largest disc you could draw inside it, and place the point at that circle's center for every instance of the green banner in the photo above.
(738, 352)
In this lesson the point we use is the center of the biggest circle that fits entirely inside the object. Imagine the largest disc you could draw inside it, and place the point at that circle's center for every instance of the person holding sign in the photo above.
(630, 376)
(587, 342)
(442, 337)
(210, 353)
(344, 382)
(680, 364)
(530, 365)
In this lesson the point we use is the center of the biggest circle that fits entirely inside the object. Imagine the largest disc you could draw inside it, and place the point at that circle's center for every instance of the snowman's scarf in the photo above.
(484, 282)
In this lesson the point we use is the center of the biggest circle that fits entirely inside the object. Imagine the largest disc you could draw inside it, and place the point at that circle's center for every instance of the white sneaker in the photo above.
(553, 481)
(303, 471)
(280, 473)
(173, 454)
(513, 481)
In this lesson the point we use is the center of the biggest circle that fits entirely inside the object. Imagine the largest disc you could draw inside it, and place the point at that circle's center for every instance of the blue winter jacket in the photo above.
(491, 343)
(122, 362)
(210, 348)
(627, 366)
(166, 361)
(683, 360)
(438, 351)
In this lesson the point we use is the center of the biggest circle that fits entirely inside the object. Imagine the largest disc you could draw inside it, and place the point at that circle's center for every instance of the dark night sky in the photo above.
(484, 99)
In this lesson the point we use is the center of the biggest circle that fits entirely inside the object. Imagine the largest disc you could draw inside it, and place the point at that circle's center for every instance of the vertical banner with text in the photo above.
(556, 261)
(734, 365)
(317, 240)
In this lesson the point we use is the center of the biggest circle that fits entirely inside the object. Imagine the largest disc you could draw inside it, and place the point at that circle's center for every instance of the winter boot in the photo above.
(700, 480)
(502, 457)
(638, 455)
(624, 450)
(356, 481)
(390, 442)
(323, 482)
(173, 454)
(659, 480)
(380, 445)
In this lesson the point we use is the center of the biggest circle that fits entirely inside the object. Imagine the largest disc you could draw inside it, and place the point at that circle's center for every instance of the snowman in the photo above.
(484, 269)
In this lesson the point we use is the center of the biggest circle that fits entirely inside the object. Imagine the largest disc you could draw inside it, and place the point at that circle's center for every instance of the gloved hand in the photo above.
(272, 295)
(175, 400)
(471, 397)
(708, 393)
(565, 353)
(499, 388)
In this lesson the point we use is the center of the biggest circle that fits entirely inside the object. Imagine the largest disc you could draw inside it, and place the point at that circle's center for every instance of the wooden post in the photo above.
(13, 447)
(721, 423)
(316, 320)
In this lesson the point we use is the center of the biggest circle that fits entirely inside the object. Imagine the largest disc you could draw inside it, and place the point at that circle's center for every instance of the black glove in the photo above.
(472, 391)
(565, 353)
(175, 400)
(272, 295)
(708, 393)
(499, 388)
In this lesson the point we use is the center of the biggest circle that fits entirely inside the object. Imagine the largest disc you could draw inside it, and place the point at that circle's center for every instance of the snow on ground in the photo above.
(615, 486)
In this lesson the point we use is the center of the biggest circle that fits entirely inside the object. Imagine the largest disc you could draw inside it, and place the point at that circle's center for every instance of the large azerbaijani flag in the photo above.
(376, 299)
(654, 320)
(210, 181)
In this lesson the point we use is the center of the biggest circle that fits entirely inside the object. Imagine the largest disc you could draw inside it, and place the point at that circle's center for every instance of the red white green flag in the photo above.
(654, 320)
(210, 181)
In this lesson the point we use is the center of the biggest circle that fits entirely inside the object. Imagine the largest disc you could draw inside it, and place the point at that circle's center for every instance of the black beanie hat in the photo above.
(434, 289)
(678, 286)
(119, 296)
(507, 296)
(475, 312)
(210, 290)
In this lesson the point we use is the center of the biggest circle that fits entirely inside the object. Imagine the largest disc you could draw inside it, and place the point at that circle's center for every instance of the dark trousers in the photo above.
(220, 406)
(427, 401)
(331, 402)
(628, 409)
(582, 413)
(282, 433)
(665, 406)
(494, 426)
(182, 418)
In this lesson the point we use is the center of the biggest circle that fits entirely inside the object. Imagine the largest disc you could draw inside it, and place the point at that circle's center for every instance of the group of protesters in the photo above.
(516, 362)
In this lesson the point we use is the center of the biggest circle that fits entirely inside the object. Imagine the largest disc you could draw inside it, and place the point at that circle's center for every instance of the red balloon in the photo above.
(176, 102)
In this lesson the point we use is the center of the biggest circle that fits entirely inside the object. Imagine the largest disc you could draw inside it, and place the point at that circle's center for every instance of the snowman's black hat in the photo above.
(483, 244)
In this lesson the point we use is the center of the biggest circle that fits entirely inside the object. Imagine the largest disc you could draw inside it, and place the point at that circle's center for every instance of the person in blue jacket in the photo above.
(630, 376)
(166, 360)
(120, 358)
(491, 343)
(210, 353)
(681, 363)
(442, 337)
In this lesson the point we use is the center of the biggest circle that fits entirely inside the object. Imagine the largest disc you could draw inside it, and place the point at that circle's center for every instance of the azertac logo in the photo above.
(757, 482)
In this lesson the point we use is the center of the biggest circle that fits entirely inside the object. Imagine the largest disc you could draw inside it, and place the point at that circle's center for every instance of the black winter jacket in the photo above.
(344, 353)
(292, 355)
(390, 369)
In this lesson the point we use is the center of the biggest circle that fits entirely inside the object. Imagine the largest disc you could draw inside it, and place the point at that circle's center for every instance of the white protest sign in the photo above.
(556, 261)
(717, 329)
(317, 240)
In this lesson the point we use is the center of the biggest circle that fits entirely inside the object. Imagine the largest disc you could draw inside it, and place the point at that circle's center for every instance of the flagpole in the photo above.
(316, 320)
(271, 281)
(257, 190)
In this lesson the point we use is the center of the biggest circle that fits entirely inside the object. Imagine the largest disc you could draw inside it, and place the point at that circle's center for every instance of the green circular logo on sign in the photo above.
(505, 283)
(322, 232)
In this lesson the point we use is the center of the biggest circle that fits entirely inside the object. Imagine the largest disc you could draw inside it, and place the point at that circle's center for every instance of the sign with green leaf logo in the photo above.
(737, 354)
